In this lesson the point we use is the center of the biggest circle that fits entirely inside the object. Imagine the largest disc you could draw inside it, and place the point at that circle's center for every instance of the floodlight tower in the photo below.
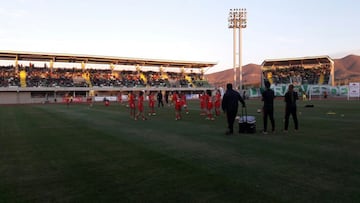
(237, 20)
(232, 20)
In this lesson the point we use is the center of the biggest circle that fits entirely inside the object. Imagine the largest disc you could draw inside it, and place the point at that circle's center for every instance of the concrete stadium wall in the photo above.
(8, 98)
(18, 98)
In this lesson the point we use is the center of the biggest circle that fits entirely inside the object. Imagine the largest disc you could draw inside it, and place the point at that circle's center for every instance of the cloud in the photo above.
(12, 13)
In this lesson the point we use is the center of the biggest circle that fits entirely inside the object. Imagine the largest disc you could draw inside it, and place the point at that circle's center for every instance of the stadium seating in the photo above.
(31, 76)
(298, 75)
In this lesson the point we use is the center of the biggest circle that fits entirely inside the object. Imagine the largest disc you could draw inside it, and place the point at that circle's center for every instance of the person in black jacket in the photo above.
(268, 109)
(230, 103)
(290, 99)
(160, 99)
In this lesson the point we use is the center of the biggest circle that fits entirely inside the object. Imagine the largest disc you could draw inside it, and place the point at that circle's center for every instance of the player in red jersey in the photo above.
(209, 105)
(89, 101)
(202, 103)
(69, 100)
(106, 101)
(152, 104)
(217, 102)
(184, 103)
(131, 101)
(177, 102)
(140, 105)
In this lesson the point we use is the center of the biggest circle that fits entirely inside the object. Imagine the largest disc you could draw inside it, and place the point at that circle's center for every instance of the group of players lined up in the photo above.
(209, 104)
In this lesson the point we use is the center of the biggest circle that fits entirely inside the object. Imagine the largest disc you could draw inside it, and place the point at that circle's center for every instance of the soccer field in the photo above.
(79, 154)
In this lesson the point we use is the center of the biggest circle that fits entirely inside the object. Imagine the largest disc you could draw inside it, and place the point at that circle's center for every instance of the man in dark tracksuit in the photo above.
(230, 103)
(268, 109)
(290, 99)
(160, 99)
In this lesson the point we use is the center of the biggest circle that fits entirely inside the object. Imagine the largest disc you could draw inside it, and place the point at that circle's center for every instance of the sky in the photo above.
(191, 30)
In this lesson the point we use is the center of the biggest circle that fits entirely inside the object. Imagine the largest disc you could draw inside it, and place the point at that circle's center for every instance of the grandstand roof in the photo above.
(297, 61)
(79, 58)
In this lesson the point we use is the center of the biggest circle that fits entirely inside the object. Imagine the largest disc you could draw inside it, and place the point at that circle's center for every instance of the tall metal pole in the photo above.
(237, 20)
(240, 60)
(234, 54)
(241, 25)
(232, 20)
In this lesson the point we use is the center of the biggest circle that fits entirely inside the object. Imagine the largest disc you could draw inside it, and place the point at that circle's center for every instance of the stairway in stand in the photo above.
(22, 78)
(321, 79)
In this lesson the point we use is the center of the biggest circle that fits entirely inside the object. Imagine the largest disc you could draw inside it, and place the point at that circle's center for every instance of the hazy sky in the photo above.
(194, 30)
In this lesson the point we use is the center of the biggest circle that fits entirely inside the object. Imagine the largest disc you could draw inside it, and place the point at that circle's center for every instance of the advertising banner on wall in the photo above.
(314, 90)
(354, 89)
(103, 98)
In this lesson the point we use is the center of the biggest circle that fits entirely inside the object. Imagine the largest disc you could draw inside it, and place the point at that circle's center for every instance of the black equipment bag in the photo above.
(247, 124)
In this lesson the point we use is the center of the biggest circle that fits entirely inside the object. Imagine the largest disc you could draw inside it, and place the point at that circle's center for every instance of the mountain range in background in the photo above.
(347, 69)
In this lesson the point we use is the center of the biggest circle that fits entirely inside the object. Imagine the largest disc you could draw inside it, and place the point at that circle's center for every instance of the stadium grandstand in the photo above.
(318, 70)
(32, 77)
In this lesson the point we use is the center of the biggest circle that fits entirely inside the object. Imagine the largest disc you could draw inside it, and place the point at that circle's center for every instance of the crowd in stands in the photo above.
(31, 76)
(8, 77)
(299, 75)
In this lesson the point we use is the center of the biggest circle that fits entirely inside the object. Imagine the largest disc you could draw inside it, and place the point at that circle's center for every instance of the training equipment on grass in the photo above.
(247, 124)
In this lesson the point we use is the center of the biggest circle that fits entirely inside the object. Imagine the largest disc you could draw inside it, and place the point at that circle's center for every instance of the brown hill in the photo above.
(251, 76)
(347, 69)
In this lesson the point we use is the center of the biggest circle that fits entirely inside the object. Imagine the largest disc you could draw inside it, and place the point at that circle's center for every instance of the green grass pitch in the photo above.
(51, 153)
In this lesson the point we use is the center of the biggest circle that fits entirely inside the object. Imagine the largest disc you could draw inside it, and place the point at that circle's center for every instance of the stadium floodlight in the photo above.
(237, 20)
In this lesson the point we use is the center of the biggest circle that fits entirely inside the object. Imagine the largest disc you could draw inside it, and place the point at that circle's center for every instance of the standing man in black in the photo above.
(167, 98)
(290, 99)
(268, 109)
(230, 103)
(160, 99)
